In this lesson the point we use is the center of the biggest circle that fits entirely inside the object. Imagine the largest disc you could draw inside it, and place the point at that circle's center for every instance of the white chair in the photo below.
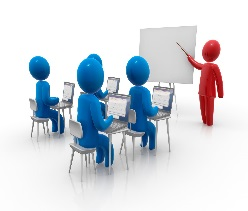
(33, 106)
(77, 132)
(130, 132)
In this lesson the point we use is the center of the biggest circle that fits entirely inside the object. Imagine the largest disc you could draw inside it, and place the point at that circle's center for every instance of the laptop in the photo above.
(118, 106)
(113, 85)
(68, 94)
(162, 98)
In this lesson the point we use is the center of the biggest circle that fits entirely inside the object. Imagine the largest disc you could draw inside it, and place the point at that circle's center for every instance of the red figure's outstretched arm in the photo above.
(195, 63)
(219, 81)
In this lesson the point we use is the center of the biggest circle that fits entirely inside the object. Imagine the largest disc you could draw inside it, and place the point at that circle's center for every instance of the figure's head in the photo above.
(137, 70)
(96, 57)
(90, 75)
(39, 68)
(211, 51)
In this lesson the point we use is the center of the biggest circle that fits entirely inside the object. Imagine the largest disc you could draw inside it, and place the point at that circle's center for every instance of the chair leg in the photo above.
(121, 145)
(82, 161)
(94, 161)
(37, 130)
(125, 147)
(86, 159)
(44, 128)
(167, 122)
(133, 140)
(63, 110)
(47, 128)
(32, 128)
(70, 113)
(71, 160)
(89, 158)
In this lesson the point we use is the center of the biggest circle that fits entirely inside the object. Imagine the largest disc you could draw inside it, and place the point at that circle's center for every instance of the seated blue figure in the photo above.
(90, 78)
(99, 94)
(137, 71)
(39, 68)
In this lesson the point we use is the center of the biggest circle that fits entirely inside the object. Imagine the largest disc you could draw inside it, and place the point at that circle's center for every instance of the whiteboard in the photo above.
(167, 62)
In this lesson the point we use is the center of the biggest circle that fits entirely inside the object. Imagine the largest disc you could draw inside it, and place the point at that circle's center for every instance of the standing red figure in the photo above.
(210, 73)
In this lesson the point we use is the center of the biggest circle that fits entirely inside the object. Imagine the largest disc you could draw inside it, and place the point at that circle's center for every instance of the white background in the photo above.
(207, 166)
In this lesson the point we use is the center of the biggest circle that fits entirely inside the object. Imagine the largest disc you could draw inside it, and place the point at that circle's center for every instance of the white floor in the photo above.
(206, 169)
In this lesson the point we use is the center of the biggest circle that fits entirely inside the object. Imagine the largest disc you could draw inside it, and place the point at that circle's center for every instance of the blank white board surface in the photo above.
(167, 62)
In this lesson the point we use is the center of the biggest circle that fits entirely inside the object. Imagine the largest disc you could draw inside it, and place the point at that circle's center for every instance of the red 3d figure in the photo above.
(210, 74)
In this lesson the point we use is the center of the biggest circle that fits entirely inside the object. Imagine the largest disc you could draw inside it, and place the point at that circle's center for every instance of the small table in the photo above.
(123, 131)
(61, 106)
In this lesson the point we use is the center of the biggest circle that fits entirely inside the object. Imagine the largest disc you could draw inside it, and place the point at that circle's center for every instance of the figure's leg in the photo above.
(209, 110)
(54, 125)
(104, 144)
(144, 140)
(203, 108)
(99, 155)
(53, 115)
(151, 131)
(103, 109)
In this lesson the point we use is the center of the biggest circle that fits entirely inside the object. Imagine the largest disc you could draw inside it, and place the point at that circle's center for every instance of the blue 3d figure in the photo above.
(39, 68)
(99, 94)
(138, 72)
(90, 78)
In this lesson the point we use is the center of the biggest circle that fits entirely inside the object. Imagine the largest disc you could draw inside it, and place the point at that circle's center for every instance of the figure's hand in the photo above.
(55, 100)
(110, 118)
(220, 96)
(156, 109)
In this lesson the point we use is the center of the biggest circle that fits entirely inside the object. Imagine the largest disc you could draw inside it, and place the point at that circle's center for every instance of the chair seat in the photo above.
(37, 119)
(81, 149)
(134, 133)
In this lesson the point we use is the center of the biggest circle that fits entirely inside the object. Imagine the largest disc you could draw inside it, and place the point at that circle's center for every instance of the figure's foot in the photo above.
(54, 129)
(209, 124)
(143, 144)
(107, 162)
(151, 147)
(99, 158)
(62, 131)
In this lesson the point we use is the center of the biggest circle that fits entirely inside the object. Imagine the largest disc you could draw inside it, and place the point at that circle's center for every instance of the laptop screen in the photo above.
(163, 97)
(113, 85)
(119, 106)
(68, 92)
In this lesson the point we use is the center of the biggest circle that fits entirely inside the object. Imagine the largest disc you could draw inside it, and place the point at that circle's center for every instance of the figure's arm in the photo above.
(219, 81)
(147, 106)
(50, 101)
(101, 94)
(96, 114)
(194, 63)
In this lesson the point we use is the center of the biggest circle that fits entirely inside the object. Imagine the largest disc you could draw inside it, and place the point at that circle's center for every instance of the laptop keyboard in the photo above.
(162, 113)
(115, 126)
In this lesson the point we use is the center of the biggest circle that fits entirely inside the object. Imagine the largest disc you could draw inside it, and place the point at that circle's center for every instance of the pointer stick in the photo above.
(182, 49)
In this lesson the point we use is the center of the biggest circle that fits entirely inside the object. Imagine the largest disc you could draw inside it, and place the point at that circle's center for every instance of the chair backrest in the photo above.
(132, 116)
(75, 128)
(33, 104)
